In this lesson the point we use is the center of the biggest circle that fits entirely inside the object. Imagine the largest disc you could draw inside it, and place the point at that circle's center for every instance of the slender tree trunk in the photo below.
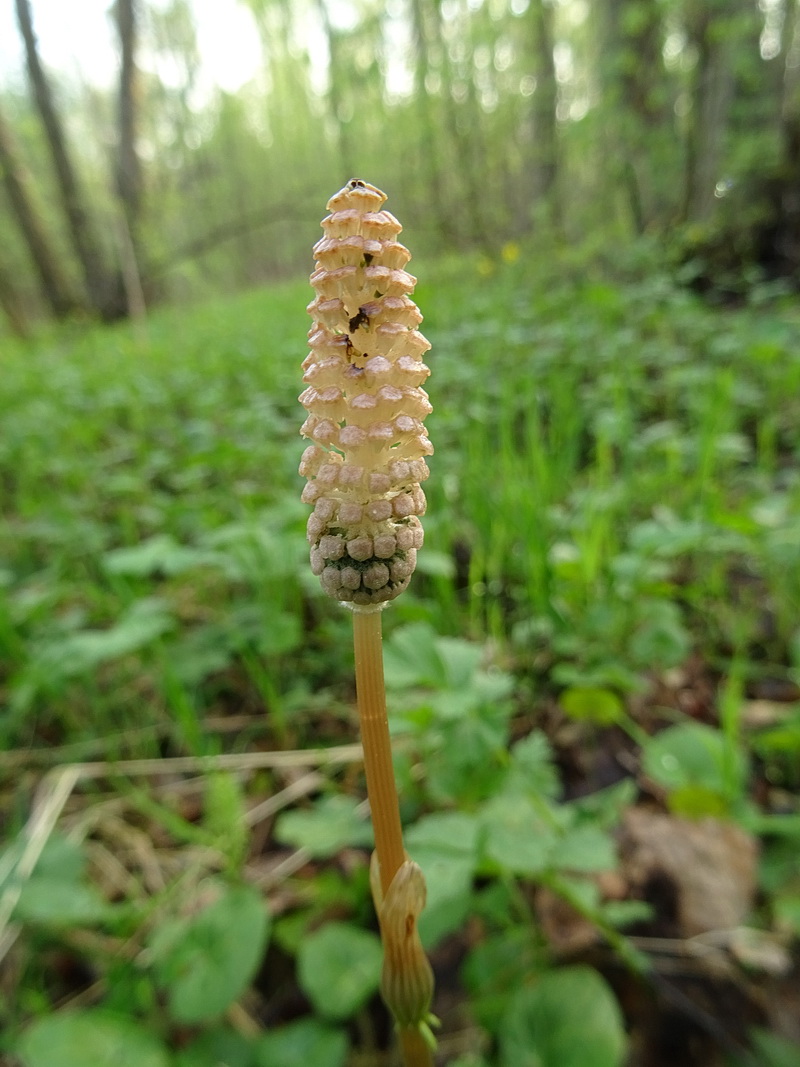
(12, 304)
(128, 167)
(99, 285)
(21, 196)
(463, 129)
(430, 140)
(544, 171)
(129, 172)
(790, 139)
(712, 95)
(638, 145)
(336, 104)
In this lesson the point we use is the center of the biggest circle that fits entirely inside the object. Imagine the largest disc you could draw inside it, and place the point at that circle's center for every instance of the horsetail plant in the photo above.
(366, 407)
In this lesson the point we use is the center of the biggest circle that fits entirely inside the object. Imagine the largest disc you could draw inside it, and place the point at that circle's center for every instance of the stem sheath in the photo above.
(381, 786)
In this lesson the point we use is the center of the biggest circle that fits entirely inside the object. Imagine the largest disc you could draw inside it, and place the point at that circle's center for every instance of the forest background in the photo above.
(612, 119)
(595, 676)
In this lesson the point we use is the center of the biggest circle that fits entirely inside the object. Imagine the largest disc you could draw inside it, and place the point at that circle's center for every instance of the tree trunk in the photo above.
(637, 100)
(100, 287)
(128, 169)
(336, 105)
(433, 167)
(462, 127)
(712, 95)
(129, 173)
(19, 187)
(790, 142)
(12, 304)
(544, 171)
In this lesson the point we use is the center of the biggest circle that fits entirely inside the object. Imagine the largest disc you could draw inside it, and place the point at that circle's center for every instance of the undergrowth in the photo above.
(611, 574)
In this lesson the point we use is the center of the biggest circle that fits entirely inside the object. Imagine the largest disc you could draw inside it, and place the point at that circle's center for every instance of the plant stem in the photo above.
(416, 1051)
(381, 786)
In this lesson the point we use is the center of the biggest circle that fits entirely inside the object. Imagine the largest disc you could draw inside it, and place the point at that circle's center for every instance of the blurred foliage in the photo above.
(503, 118)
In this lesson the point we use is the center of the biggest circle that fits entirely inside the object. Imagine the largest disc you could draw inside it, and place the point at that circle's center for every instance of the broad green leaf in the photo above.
(333, 824)
(451, 832)
(445, 847)
(89, 1039)
(787, 912)
(599, 706)
(224, 815)
(660, 640)
(50, 901)
(139, 626)
(461, 660)
(61, 858)
(410, 658)
(221, 1047)
(159, 554)
(501, 962)
(605, 807)
(436, 564)
(532, 770)
(516, 836)
(568, 1018)
(305, 1043)
(585, 848)
(772, 1050)
(697, 802)
(692, 754)
(206, 961)
(622, 913)
(339, 968)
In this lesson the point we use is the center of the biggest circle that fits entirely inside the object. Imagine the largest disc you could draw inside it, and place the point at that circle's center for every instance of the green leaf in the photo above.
(339, 968)
(410, 658)
(61, 858)
(461, 660)
(159, 554)
(772, 1050)
(305, 1043)
(500, 962)
(453, 833)
(787, 912)
(89, 1039)
(445, 847)
(224, 815)
(532, 771)
(569, 1018)
(585, 848)
(50, 901)
(516, 836)
(585, 704)
(661, 640)
(697, 802)
(57, 894)
(622, 913)
(691, 754)
(206, 961)
(71, 655)
(217, 1048)
(333, 824)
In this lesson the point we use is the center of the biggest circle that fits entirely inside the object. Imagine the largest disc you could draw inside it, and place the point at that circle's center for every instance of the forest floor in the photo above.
(594, 686)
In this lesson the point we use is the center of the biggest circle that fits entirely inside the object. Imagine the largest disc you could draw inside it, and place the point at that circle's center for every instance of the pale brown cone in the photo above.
(365, 405)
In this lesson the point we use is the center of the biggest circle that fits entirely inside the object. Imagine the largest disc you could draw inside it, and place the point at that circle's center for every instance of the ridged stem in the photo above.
(381, 786)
